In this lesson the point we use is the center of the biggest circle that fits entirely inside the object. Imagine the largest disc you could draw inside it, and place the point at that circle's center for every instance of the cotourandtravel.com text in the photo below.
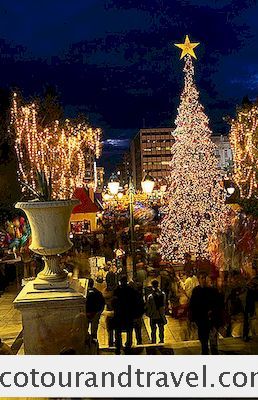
(129, 377)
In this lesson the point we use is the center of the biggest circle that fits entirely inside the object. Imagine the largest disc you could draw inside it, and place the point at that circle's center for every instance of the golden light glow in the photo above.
(59, 150)
(244, 143)
(106, 197)
(113, 187)
(122, 200)
(147, 185)
(187, 48)
(196, 204)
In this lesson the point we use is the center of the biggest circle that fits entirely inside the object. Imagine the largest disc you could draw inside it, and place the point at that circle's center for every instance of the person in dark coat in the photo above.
(95, 246)
(95, 304)
(125, 311)
(111, 279)
(155, 310)
(139, 311)
(206, 310)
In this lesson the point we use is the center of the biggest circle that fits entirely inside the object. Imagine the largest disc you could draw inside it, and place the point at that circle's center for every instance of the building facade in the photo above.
(151, 153)
(100, 179)
(223, 152)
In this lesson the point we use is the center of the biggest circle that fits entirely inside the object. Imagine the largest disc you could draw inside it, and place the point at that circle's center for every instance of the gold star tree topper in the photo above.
(187, 47)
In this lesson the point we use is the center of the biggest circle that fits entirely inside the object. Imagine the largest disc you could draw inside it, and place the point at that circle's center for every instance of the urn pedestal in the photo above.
(53, 309)
(53, 320)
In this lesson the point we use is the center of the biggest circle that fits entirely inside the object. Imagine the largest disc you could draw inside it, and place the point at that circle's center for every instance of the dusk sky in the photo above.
(115, 59)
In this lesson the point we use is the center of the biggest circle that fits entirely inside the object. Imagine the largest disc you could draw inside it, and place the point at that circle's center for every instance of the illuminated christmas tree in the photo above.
(244, 144)
(195, 197)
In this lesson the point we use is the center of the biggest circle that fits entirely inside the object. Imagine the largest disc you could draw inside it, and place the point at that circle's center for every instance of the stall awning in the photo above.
(87, 205)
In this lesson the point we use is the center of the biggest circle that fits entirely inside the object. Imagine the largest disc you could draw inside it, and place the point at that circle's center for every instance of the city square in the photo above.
(130, 243)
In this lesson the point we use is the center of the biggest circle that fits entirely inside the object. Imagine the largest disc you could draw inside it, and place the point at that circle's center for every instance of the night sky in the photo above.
(115, 61)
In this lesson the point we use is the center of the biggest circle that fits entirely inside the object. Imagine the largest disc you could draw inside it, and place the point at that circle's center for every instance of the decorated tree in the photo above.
(56, 153)
(244, 143)
(196, 205)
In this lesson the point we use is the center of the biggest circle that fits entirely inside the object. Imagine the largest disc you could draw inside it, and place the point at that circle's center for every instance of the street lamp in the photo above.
(113, 184)
(148, 184)
(147, 187)
(228, 186)
(120, 195)
(230, 190)
(106, 196)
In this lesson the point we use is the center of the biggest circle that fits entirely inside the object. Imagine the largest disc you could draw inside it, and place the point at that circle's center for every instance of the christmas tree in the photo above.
(196, 205)
(244, 143)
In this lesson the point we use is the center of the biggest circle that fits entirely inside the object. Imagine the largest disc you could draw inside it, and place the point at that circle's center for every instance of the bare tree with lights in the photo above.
(244, 143)
(54, 153)
(196, 206)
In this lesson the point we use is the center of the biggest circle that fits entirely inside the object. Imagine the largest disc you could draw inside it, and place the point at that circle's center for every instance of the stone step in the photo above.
(227, 346)
(145, 349)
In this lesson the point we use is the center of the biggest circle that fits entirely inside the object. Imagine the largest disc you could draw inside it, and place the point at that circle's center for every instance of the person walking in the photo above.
(155, 310)
(189, 284)
(165, 281)
(141, 274)
(110, 325)
(173, 292)
(139, 311)
(95, 304)
(125, 311)
(206, 310)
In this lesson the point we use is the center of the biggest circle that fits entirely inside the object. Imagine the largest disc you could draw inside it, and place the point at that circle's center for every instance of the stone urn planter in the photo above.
(49, 223)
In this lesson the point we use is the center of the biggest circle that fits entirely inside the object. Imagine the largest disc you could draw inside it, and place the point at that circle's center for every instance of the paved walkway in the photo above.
(181, 339)
(10, 318)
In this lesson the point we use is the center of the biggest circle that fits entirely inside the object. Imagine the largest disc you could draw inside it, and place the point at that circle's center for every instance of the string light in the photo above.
(196, 206)
(59, 150)
(244, 143)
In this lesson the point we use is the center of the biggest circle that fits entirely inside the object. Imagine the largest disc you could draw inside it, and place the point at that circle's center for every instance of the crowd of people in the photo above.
(208, 305)
(125, 307)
